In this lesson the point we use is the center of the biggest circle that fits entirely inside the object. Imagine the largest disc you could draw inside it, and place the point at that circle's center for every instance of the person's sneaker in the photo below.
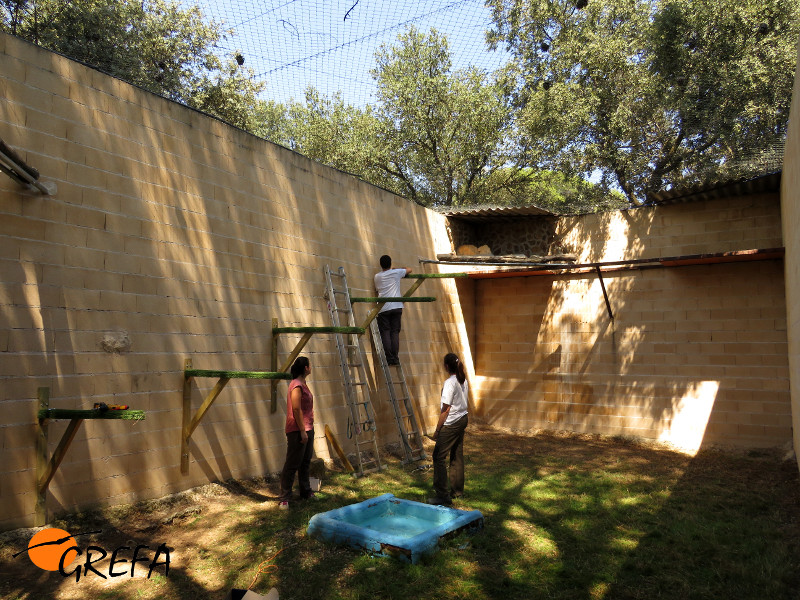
(311, 496)
(283, 504)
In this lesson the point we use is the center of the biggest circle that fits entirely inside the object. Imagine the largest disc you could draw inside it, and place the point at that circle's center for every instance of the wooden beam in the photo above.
(605, 294)
(40, 517)
(273, 364)
(90, 413)
(398, 299)
(236, 374)
(297, 349)
(338, 449)
(637, 263)
(374, 312)
(201, 412)
(44, 478)
(46, 468)
(329, 329)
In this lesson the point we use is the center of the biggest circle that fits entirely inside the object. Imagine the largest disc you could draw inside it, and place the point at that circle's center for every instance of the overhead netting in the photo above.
(330, 44)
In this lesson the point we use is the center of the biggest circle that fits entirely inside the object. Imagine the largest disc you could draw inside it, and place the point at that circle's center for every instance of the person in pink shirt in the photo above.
(299, 433)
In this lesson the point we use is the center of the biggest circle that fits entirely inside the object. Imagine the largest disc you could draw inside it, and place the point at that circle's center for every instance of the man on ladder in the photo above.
(387, 284)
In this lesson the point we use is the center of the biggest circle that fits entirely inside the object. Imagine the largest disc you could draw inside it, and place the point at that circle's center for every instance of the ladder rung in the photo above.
(371, 470)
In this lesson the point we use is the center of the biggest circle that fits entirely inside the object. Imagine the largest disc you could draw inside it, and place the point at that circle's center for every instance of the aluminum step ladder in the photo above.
(399, 396)
(354, 374)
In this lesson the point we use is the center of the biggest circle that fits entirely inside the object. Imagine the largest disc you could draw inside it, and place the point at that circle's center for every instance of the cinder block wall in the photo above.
(790, 202)
(694, 355)
(176, 236)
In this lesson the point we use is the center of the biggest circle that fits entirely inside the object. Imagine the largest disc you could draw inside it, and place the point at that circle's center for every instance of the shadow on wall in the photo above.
(186, 237)
(689, 359)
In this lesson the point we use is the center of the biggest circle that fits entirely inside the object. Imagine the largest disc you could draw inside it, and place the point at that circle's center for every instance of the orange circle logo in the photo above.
(48, 546)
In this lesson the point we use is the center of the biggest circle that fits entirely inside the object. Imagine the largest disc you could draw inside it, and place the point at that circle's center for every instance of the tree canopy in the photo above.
(155, 44)
(642, 94)
(651, 93)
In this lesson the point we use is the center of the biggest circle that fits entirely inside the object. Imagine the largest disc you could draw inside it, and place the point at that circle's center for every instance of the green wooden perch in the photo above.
(358, 330)
(420, 278)
(46, 467)
(236, 374)
(92, 413)
(436, 275)
(393, 299)
(307, 332)
(190, 422)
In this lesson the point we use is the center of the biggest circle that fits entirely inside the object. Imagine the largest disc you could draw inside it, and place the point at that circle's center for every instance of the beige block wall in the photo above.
(790, 202)
(695, 355)
(184, 236)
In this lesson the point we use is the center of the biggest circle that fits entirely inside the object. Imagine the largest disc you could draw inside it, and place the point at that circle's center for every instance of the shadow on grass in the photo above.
(566, 517)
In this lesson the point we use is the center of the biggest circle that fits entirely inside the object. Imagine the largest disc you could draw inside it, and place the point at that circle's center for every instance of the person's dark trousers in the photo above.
(298, 460)
(389, 326)
(450, 441)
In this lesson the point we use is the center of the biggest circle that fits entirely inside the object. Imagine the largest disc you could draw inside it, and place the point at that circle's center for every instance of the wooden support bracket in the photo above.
(374, 312)
(398, 299)
(190, 422)
(307, 333)
(335, 443)
(46, 467)
(605, 293)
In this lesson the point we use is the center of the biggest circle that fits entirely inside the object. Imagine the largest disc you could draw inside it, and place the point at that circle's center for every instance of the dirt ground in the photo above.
(167, 520)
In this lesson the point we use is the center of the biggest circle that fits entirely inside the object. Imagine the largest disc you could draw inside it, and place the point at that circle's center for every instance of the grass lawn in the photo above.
(566, 517)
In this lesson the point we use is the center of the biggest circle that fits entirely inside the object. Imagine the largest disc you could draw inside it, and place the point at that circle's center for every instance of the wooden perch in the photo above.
(46, 467)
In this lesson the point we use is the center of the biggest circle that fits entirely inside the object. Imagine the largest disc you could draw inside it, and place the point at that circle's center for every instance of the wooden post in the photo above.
(273, 402)
(46, 468)
(187, 411)
(605, 293)
(332, 439)
(40, 517)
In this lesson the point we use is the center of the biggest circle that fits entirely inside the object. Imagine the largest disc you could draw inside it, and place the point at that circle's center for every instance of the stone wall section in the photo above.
(174, 236)
(695, 355)
(790, 202)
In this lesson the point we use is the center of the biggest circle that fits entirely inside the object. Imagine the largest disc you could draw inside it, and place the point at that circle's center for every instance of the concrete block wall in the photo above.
(790, 204)
(695, 355)
(174, 236)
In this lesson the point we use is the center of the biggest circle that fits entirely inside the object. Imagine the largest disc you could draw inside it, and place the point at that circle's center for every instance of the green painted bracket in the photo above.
(236, 374)
(46, 466)
(436, 275)
(357, 330)
(65, 413)
(398, 299)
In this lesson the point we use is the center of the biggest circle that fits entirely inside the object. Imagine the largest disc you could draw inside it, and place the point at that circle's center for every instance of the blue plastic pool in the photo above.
(391, 526)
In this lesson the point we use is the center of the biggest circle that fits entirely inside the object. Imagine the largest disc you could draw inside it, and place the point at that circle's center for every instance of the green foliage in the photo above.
(441, 130)
(155, 44)
(650, 92)
(559, 193)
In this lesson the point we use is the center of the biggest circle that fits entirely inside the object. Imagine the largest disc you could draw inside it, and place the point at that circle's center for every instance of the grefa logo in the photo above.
(53, 549)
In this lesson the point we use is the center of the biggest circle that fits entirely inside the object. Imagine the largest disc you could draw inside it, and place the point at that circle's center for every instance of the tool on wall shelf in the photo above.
(12, 165)
(46, 467)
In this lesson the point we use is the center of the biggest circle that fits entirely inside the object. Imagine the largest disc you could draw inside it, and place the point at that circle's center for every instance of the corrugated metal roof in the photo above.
(496, 213)
(770, 182)
(767, 183)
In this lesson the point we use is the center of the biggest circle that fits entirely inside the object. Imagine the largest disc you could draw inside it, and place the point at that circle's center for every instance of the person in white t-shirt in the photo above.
(449, 434)
(387, 284)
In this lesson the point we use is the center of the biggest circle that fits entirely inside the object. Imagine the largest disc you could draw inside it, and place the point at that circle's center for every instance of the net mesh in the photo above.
(330, 44)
